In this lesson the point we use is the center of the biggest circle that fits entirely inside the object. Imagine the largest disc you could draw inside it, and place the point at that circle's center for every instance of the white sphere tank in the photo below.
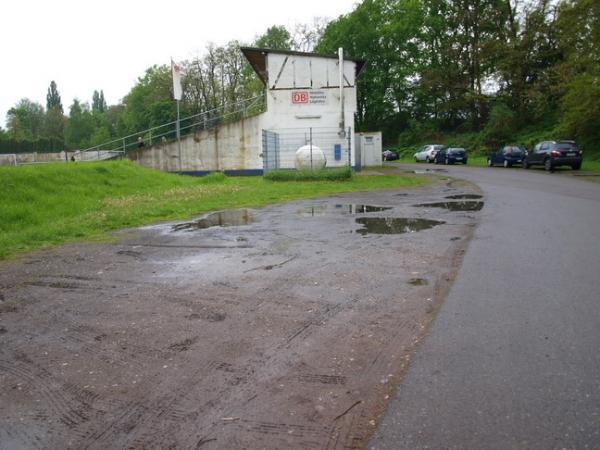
(302, 159)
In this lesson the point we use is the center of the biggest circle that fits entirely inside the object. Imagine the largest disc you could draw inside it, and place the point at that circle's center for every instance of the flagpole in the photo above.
(177, 95)
(178, 138)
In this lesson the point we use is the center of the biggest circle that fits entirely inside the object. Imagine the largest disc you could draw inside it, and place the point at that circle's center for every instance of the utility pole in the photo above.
(342, 131)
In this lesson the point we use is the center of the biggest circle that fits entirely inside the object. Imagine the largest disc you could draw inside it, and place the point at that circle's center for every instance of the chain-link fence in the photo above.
(279, 147)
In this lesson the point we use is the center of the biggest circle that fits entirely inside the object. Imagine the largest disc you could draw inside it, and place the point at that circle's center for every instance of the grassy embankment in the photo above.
(54, 203)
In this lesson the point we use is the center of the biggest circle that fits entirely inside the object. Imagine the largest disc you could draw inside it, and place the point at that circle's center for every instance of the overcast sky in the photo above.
(107, 44)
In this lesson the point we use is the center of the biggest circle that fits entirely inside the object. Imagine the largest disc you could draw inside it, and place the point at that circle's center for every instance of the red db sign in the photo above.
(299, 97)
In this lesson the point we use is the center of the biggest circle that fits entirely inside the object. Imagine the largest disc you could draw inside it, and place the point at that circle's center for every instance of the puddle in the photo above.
(422, 171)
(392, 225)
(229, 218)
(349, 209)
(453, 206)
(464, 196)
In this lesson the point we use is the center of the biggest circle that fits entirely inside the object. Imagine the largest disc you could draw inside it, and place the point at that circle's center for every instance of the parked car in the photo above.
(427, 153)
(389, 155)
(553, 154)
(508, 156)
(451, 155)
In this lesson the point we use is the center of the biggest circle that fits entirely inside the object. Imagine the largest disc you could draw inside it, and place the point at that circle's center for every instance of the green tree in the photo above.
(385, 34)
(25, 120)
(501, 125)
(150, 101)
(101, 135)
(578, 38)
(276, 37)
(98, 102)
(80, 126)
(53, 98)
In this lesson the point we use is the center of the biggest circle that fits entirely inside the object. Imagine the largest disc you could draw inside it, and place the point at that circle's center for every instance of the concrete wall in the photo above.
(235, 146)
(33, 158)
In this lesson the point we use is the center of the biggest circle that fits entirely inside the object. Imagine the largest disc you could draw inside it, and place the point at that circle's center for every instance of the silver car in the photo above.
(427, 153)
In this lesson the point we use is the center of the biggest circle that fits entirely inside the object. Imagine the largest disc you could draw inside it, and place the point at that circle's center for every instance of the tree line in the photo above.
(494, 68)
(212, 81)
(489, 69)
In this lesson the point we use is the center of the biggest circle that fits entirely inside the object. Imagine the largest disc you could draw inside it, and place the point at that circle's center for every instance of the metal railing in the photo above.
(168, 131)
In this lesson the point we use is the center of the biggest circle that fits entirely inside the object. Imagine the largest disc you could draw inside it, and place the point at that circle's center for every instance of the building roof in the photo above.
(257, 57)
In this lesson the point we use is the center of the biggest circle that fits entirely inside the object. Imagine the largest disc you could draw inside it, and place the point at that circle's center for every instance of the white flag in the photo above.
(176, 71)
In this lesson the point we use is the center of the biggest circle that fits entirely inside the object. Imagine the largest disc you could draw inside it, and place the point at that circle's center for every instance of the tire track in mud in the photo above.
(172, 406)
(239, 389)
(70, 410)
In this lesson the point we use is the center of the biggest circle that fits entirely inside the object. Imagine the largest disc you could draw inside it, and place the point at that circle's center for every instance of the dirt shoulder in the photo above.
(289, 331)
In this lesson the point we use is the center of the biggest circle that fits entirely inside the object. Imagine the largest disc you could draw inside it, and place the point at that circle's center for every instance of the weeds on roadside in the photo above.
(326, 174)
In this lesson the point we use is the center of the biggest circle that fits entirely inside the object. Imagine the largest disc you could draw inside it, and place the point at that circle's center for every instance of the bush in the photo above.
(327, 174)
(581, 113)
(501, 126)
(41, 145)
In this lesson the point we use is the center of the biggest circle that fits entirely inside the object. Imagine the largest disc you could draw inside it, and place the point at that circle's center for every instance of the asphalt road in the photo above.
(512, 360)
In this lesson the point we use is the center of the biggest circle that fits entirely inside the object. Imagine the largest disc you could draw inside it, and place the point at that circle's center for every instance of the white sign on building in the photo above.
(312, 97)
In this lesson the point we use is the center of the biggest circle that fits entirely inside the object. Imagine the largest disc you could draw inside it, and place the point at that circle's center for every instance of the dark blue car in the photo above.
(507, 156)
(451, 155)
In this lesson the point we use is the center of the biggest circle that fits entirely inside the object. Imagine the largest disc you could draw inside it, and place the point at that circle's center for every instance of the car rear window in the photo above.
(456, 150)
(514, 150)
(565, 146)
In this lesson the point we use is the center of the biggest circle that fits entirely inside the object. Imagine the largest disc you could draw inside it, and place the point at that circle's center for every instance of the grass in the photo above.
(54, 203)
(326, 174)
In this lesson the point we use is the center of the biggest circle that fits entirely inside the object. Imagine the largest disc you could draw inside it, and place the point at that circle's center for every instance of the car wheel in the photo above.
(489, 162)
(576, 166)
(506, 164)
(548, 165)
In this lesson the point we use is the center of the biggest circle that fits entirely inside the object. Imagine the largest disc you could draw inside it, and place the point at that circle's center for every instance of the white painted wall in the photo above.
(292, 76)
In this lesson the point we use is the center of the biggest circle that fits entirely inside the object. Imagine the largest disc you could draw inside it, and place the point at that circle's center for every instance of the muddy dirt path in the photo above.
(288, 330)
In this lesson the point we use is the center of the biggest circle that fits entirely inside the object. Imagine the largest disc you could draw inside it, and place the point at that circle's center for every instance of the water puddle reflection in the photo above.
(228, 218)
(345, 209)
(464, 196)
(423, 171)
(394, 225)
(453, 206)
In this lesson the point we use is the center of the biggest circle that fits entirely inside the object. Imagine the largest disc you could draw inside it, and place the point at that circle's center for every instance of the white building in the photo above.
(304, 104)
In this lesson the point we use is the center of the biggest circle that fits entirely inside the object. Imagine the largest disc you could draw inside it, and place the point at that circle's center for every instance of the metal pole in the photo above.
(349, 147)
(150, 140)
(311, 161)
(342, 118)
(178, 137)
(124, 145)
